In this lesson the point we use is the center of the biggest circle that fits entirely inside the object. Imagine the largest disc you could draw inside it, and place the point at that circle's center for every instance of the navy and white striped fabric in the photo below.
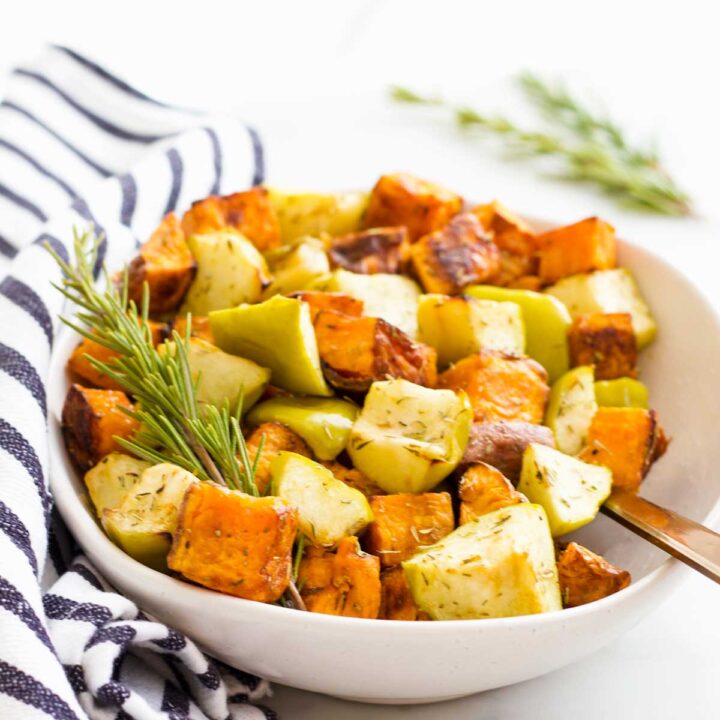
(79, 146)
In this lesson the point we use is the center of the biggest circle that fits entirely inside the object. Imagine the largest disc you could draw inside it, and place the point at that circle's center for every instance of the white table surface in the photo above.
(312, 76)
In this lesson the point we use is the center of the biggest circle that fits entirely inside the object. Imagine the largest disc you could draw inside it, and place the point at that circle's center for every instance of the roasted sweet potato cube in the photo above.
(397, 601)
(339, 302)
(249, 213)
(405, 523)
(356, 351)
(527, 282)
(354, 478)
(272, 391)
(627, 440)
(512, 268)
(200, 327)
(91, 419)
(461, 254)
(82, 367)
(345, 582)
(500, 386)
(421, 206)
(275, 438)
(500, 220)
(502, 445)
(378, 250)
(482, 489)
(235, 543)
(583, 247)
(585, 576)
(607, 341)
(661, 444)
(515, 239)
(166, 264)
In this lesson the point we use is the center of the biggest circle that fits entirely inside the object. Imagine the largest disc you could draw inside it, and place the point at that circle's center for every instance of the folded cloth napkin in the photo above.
(78, 145)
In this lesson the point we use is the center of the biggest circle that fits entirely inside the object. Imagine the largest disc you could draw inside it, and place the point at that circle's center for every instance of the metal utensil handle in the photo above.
(682, 538)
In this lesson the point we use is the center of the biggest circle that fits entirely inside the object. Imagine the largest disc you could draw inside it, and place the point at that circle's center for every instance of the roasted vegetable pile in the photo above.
(433, 395)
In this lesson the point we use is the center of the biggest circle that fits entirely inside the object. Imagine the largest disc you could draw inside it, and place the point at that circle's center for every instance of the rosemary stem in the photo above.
(205, 458)
(295, 596)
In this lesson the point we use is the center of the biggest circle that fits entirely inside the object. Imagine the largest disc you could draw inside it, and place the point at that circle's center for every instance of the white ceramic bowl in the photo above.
(405, 662)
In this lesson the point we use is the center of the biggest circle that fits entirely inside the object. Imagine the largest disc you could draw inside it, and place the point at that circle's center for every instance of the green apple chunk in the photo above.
(394, 298)
(499, 565)
(316, 213)
(144, 523)
(607, 291)
(323, 423)
(277, 334)
(571, 409)
(222, 377)
(408, 438)
(571, 491)
(296, 267)
(460, 326)
(546, 324)
(112, 480)
(230, 270)
(622, 392)
(328, 509)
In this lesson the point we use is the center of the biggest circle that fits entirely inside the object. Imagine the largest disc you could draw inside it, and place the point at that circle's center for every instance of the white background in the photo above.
(312, 76)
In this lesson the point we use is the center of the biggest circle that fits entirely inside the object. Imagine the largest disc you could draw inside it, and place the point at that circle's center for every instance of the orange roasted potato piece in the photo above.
(586, 577)
(166, 264)
(527, 282)
(200, 327)
(345, 582)
(377, 250)
(235, 543)
(354, 478)
(461, 254)
(249, 213)
(628, 441)
(607, 341)
(275, 438)
(402, 199)
(357, 351)
(583, 247)
(482, 489)
(404, 523)
(500, 386)
(502, 445)
(397, 601)
(339, 302)
(82, 367)
(90, 421)
(272, 391)
(515, 239)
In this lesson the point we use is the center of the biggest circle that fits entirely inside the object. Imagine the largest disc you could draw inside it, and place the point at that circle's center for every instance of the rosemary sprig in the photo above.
(591, 148)
(207, 443)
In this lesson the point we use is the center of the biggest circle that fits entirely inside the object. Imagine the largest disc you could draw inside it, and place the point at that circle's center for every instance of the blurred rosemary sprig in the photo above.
(591, 148)
(174, 429)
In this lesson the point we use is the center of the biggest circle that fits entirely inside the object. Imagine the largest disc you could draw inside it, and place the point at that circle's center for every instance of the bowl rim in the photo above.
(81, 521)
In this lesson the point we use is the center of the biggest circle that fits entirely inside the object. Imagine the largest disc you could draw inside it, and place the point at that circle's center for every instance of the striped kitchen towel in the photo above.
(78, 145)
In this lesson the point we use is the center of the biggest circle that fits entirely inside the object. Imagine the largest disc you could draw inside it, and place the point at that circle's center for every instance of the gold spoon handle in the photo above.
(686, 540)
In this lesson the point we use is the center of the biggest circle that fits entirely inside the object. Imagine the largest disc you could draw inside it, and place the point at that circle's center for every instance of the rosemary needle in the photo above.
(591, 148)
